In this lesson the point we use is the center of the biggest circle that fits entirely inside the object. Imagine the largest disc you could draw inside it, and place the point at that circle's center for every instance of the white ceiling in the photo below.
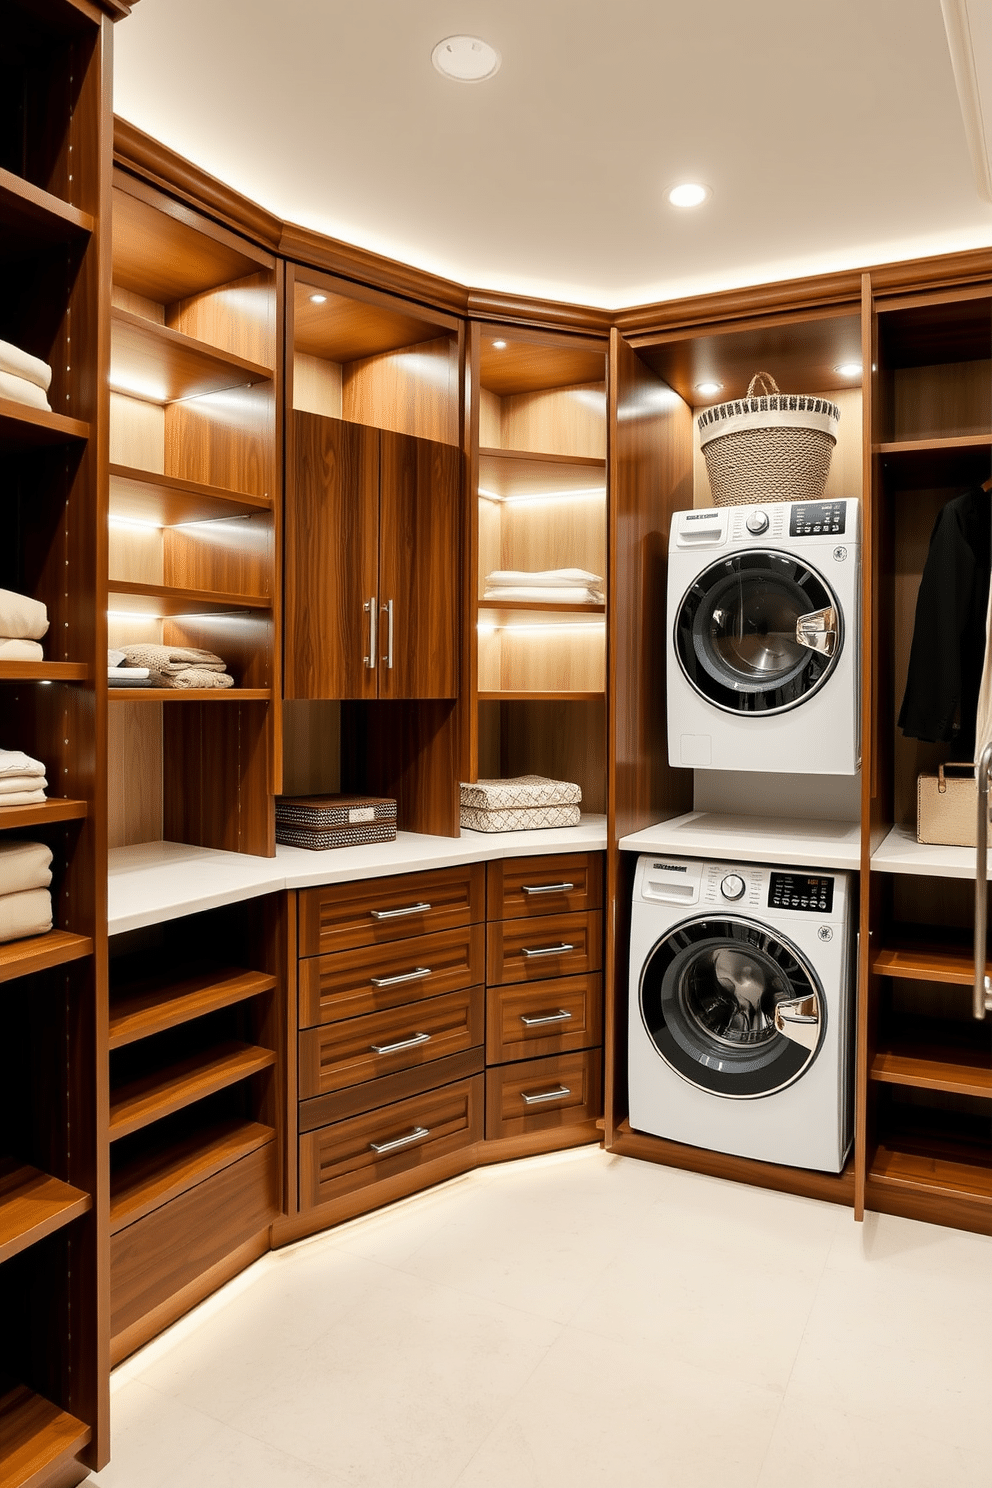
(830, 134)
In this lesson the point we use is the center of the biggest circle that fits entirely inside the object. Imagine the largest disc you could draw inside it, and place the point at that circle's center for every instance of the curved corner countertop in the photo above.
(156, 881)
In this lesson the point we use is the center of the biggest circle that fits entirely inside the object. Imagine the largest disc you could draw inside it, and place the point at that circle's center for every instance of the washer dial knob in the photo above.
(733, 886)
(757, 522)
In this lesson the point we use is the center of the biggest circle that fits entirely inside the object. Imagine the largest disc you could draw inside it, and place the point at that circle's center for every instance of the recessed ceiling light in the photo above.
(708, 388)
(467, 59)
(849, 369)
(499, 345)
(318, 299)
(689, 194)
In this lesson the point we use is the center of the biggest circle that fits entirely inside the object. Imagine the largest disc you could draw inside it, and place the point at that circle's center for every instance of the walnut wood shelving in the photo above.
(927, 962)
(541, 607)
(160, 365)
(189, 694)
(37, 1439)
(163, 1173)
(142, 495)
(32, 219)
(153, 1096)
(543, 457)
(162, 1004)
(932, 1170)
(55, 809)
(531, 697)
(44, 671)
(926, 1055)
(20, 958)
(166, 599)
(22, 427)
(33, 1204)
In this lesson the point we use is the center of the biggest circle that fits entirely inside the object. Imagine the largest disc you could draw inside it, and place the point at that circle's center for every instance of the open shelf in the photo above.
(37, 1439)
(43, 671)
(33, 1205)
(189, 694)
(949, 1057)
(165, 258)
(927, 961)
(141, 495)
(901, 853)
(935, 1168)
(158, 365)
(22, 427)
(165, 599)
(160, 1004)
(20, 958)
(34, 219)
(165, 1173)
(754, 839)
(530, 697)
(143, 1101)
(541, 607)
(948, 445)
(55, 809)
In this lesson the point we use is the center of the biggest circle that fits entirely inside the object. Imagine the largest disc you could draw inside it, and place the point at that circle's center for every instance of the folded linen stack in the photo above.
(23, 622)
(25, 899)
(24, 378)
(553, 586)
(166, 666)
(22, 779)
(520, 804)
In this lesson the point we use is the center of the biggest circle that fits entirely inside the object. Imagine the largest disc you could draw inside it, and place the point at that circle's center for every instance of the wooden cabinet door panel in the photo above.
(554, 946)
(352, 983)
(339, 917)
(419, 531)
(331, 544)
(539, 1018)
(565, 1090)
(519, 888)
(337, 1055)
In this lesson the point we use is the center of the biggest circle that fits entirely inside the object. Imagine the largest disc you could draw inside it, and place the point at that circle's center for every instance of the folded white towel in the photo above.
(128, 674)
(16, 762)
(23, 364)
(12, 784)
(19, 390)
(27, 913)
(515, 578)
(551, 595)
(23, 866)
(21, 618)
(115, 658)
(20, 650)
(25, 797)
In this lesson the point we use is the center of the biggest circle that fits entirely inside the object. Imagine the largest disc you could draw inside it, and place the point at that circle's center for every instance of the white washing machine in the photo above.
(740, 1025)
(764, 609)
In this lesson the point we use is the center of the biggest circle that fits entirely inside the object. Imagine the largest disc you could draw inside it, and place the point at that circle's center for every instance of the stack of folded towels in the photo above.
(25, 899)
(520, 804)
(23, 622)
(554, 586)
(24, 378)
(22, 779)
(166, 666)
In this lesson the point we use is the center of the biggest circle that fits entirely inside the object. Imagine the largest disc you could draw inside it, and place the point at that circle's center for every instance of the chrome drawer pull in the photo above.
(370, 610)
(546, 1095)
(548, 950)
(561, 1016)
(417, 1135)
(547, 888)
(405, 976)
(394, 914)
(418, 1038)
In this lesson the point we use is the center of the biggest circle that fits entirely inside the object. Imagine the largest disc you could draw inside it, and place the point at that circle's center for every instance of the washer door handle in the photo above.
(818, 630)
(799, 1020)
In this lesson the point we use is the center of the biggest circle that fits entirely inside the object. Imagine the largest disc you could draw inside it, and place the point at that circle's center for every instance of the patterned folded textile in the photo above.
(11, 785)
(198, 677)
(19, 390)
(518, 792)
(16, 762)
(26, 913)
(21, 618)
(23, 364)
(23, 866)
(171, 660)
(570, 594)
(524, 819)
(557, 578)
(26, 797)
(18, 650)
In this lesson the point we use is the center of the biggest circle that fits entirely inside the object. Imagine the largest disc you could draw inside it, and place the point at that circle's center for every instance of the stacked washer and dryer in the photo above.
(741, 976)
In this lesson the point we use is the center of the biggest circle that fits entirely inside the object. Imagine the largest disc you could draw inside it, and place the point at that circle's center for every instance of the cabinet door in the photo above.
(332, 537)
(419, 526)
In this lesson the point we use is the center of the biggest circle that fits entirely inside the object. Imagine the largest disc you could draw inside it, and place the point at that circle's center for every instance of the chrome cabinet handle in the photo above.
(418, 1038)
(818, 630)
(417, 1135)
(561, 888)
(547, 950)
(405, 976)
(388, 657)
(545, 1095)
(561, 1016)
(982, 990)
(394, 914)
(370, 610)
(799, 1020)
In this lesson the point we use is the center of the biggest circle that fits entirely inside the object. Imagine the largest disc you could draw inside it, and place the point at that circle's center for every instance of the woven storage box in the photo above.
(768, 446)
(521, 804)
(520, 819)
(320, 822)
(947, 807)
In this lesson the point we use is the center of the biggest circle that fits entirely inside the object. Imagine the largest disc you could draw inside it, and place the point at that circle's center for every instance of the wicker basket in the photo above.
(769, 446)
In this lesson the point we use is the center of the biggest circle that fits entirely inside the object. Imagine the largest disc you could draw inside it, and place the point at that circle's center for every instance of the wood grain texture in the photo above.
(413, 391)
(548, 655)
(161, 365)
(531, 366)
(355, 325)
(171, 255)
(509, 1037)
(579, 1076)
(311, 748)
(562, 421)
(409, 751)
(316, 386)
(137, 434)
(373, 1095)
(225, 440)
(942, 402)
(927, 963)
(509, 940)
(562, 739)
(332, 988)
(148, 1007)
(238, 318)
(344, 916)
(34, 1204)
(38, 1441)
(134, 774)
(528, 888)
(54, 809)
(20, 958)
(150, 1097)
(217, 778)
(235, 555)
(936, 1063)
(164, 1172)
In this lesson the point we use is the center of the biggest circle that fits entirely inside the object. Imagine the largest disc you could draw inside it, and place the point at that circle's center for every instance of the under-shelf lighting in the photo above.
(689, 194)
(709, 388)
(318, 299)
(132, 615)
(849, 369)
(499, 346)
(554, 627)
(133, 524)
(530, 498)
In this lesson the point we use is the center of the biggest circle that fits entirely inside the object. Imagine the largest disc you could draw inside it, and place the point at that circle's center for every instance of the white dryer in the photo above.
(764, 608)
(739, 1030)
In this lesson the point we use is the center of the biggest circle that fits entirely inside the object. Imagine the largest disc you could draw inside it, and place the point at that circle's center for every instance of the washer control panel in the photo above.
(732, 883)
(800, 891)
(757, 521)
(733, 886)
(812, 518)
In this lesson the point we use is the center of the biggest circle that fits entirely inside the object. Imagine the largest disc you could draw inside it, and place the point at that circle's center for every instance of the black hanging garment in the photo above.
(948, 651)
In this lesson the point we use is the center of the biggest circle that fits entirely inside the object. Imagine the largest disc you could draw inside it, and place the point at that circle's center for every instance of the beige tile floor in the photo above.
(578, 1321)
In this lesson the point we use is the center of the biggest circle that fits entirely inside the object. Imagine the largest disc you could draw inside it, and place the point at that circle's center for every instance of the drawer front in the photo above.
(554, 946)
(536, 1018)
(372, 978)
(538, 1094)
(337, 1055)
(518, 888)
(339, 1159)
(339, 917)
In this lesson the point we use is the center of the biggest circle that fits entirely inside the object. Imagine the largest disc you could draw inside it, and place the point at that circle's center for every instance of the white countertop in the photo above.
(156, 881)
(901, 853)
(754, 839)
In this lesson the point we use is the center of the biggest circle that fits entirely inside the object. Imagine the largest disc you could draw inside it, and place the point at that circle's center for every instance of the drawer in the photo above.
(337, 1055)
(554, 946)
(339, 917)
(367, 980)
(524, 1021)
(518, 888)
(354, 1154)
(538, 1094)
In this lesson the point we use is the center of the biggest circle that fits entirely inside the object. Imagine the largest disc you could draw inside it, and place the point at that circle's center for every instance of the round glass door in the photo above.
(732, 1007)
(759, 632)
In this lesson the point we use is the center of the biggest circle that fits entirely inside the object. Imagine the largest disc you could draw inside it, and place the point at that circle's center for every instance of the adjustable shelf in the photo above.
(158, 365)
(145, 1100)
(37, 1439)
(927, 961)
(918, 464)
(937, 1169)
(44, 671)
(164, 599)
(162, 1004)
(552, 697)
(164, 1173)
(141, 495)
(20, 958)
(539, 606)
(32, 219)
(189, 694)
(924, 1055)
(22, 427)
(55, 809)
(33, 1205)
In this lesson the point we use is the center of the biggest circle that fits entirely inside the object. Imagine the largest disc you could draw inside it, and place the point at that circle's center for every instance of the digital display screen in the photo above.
(811, 518)
(801, 891)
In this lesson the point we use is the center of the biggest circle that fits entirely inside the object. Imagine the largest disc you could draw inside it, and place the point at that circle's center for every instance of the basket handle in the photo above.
(765, 384)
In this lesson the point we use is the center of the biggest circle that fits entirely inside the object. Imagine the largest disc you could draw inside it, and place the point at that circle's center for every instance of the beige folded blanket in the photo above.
(32, 797)
(16, 762)
(11, 650)
(171, 660)
(23, 866)
(23, 364)
(198, 677)
(19, 390)
(28, 913)
(558, 578)
(21, 618)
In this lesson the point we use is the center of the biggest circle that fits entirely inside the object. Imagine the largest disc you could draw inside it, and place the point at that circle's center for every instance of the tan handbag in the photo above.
(947, 807)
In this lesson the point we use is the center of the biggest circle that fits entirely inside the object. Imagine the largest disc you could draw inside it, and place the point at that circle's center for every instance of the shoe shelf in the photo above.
(33, 1204)
(161, 1093)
